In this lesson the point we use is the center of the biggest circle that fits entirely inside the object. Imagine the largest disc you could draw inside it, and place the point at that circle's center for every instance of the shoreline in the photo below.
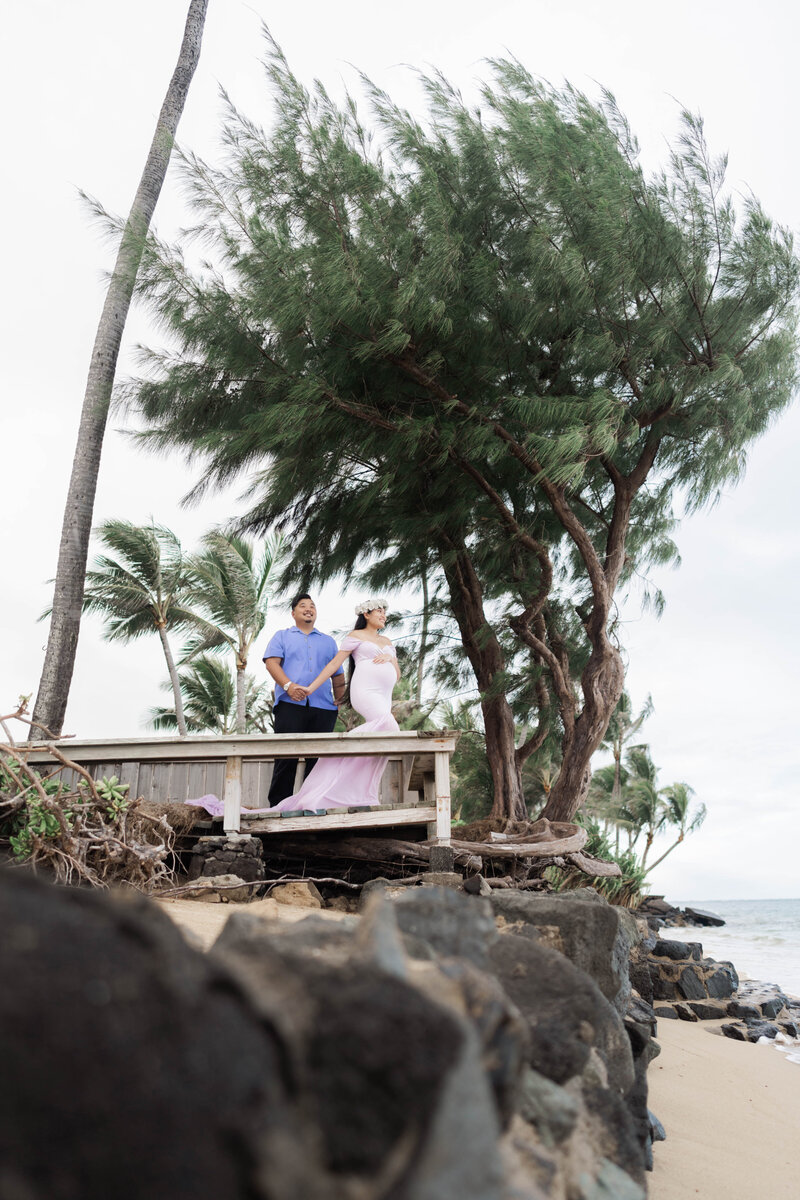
(731, 1111)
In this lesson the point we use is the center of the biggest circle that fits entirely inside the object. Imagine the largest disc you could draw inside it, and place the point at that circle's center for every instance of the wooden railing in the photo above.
(237, 768)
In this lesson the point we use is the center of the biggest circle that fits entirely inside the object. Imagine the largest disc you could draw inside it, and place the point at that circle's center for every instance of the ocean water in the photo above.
(760, 937)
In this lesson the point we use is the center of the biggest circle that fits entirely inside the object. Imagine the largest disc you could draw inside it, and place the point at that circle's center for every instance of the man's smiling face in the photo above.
(305, 613)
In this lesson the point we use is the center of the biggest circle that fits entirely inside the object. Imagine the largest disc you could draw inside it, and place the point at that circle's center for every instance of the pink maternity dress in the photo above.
(347, 782)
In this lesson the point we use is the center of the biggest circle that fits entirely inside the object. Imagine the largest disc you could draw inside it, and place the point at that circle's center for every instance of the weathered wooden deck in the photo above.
(415, 789)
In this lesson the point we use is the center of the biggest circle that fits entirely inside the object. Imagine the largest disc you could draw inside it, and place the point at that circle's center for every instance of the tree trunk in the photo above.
(602, 682)
(241, 706)
(486, 658)
(501, 750)
(173, 678)
(669, 850)
(423, 641)
(62, 643)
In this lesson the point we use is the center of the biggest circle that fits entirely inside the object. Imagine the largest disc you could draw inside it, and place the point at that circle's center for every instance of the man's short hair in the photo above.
(296, 600)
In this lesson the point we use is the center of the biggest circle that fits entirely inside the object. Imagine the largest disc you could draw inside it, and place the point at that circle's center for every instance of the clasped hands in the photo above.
(296, 692)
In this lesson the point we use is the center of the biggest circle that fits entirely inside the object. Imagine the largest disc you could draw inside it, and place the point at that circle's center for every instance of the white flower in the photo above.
(371, 602)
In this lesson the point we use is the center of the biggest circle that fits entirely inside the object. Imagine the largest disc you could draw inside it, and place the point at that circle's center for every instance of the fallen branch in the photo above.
(512, 848)
(595, 867)
(73, 831)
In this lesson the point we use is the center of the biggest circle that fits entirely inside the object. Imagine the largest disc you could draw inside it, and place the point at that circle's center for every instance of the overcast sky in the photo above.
(82, 85)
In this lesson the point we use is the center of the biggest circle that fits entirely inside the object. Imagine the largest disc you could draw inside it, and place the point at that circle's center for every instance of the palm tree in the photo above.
(605, 801)
(209, 692)
(62, 642)
(622, 727)
(229, 589)
(141, 590)
(626, 795)
(677, 812)
(642, 800)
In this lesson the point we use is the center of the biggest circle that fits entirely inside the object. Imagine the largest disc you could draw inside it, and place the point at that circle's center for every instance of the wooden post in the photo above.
(232, 794)
(429, 800)
(442, 781)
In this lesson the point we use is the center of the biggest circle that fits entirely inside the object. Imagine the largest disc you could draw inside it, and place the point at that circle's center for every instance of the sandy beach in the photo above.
(732, 1115)
(201, 922)
(731, 1110)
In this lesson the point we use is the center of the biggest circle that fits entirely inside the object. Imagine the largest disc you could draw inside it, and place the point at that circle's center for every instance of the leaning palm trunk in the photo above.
(174, 680)
(62, 643)
(241, 695)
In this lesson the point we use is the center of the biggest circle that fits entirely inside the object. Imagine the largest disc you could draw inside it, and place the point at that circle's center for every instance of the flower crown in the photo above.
(371, 602)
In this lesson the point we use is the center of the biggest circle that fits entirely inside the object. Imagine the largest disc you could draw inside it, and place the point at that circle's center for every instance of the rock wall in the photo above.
(437, 1045)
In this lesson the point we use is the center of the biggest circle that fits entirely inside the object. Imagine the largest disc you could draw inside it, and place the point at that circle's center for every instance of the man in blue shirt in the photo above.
(294, 658)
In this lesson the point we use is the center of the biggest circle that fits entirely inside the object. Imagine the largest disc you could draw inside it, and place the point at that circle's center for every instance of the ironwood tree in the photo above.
(494, 309)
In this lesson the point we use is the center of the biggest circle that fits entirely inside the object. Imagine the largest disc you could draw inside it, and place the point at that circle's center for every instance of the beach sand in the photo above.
(731, 1110)
(732, 1115)
(201, 922)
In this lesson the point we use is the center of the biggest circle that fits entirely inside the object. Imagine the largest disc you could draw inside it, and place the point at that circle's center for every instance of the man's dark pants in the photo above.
(296, 718)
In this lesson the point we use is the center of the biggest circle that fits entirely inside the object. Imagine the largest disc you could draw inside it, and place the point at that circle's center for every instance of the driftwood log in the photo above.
(541, 839)
(538, 845)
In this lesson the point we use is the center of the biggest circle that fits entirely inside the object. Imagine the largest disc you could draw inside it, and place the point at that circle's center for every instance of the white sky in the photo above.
(82, 84)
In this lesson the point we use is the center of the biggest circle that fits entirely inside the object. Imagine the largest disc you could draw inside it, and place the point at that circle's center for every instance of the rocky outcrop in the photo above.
(566, 1071)
(660, 912)
(435, 1046)
(593, 934)
(693, 987)
(228, 854)
(762, 1010)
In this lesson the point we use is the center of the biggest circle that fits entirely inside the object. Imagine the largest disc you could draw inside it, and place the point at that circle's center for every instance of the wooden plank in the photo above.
(178, 785)
(159, 790)
(429, 800)
(129, 773)
(281, 745)
(408, 793)
(390, 783)
(420, 815)
(215, 779)
(196, 782)
(442, 782)
(145, 780)
(265, 776)
(232, 794)
(251, 771)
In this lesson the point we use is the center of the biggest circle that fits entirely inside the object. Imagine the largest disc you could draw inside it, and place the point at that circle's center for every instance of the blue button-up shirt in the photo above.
(303, 655)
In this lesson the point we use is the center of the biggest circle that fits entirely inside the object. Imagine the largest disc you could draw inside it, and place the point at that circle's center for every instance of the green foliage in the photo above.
(626, 797)
(625, 889)
(36, 822)
(13, 783)
(229, 586)
(208, 688)
(31, 823)
(485, 336)
(471, 788)
(142, 588)
(114, 794)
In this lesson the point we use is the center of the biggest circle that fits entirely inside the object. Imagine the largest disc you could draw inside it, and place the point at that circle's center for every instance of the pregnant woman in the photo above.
(347, 782)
